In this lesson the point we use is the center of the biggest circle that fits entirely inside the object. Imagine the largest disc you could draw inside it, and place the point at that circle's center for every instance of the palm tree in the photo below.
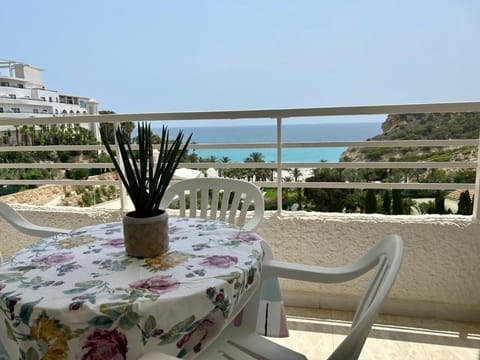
(61, 134)
(32, 134)
(17, 137)
(212, 159)
(256, 174)
(54, 135)
(6, 137)
(128, 128)
(255, 157)
(224, 172)
(193, 157)
(24, 133)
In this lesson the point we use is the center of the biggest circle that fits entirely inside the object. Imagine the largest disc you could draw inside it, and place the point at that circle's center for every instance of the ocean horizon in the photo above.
(234, 134)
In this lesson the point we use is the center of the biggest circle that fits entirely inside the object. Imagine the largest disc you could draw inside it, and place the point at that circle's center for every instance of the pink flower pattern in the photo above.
(54, 259)
(104, 344)
(202, 327)
(116, 243)
(219, 261)
(156, 284)
(246, 236)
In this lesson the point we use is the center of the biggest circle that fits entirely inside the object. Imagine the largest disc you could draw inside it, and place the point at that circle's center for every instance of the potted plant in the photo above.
(146, 228)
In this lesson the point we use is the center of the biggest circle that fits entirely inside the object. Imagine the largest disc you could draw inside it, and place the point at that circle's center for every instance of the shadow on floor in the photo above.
(397, 328)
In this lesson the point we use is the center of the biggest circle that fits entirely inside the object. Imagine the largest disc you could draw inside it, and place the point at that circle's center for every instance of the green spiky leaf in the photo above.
(146, 181)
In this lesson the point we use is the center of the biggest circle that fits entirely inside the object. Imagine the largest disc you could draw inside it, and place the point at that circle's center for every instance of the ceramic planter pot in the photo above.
(146, 237)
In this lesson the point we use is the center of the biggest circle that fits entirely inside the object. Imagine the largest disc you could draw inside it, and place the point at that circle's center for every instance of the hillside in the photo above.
(422, 126)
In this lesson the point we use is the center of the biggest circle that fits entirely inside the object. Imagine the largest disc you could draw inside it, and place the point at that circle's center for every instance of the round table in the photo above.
(79, 296)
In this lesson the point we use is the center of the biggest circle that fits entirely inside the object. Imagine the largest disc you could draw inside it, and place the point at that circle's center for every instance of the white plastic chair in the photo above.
(25, 226)
(243, 343)
(217, 198)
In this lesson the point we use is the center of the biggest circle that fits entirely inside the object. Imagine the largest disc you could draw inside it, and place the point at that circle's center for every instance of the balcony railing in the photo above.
(279, 115)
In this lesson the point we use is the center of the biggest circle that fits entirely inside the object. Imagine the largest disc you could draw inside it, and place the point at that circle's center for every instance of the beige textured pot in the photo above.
(146, 237)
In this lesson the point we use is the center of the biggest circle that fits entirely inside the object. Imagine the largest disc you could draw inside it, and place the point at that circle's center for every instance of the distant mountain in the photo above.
(431, 126)
(439, 126)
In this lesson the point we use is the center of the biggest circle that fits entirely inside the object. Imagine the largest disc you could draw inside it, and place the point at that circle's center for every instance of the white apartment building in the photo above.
(23, 94)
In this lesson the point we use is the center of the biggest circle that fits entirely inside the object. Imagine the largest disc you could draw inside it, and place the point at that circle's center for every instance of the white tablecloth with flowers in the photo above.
(79, 296)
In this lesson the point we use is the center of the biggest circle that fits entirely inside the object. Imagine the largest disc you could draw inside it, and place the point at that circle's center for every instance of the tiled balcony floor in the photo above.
(316, 333)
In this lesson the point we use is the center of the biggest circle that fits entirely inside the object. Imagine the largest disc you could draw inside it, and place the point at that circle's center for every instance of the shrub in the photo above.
(77, 174)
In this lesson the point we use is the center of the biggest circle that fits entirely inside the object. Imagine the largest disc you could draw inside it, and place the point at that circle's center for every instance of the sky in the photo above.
(161, 56)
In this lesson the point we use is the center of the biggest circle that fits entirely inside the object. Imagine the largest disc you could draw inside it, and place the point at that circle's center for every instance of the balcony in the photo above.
(439, 275)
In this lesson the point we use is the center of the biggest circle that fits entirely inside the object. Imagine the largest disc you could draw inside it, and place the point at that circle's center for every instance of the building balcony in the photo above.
(432, 311)
(434, 306)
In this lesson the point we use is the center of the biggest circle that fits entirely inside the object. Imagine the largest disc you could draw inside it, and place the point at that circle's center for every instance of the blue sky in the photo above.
(158, 56)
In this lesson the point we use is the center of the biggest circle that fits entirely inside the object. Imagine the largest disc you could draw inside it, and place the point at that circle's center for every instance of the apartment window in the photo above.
(43, 98)
(1, 110)
(12, 96)
(20, 86)
(4, 83)
(50, 98)
(35, 111)
(16, 110)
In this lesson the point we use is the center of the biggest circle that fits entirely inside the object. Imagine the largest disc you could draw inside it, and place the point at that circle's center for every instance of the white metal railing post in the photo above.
(476, 198)
(279, 164)
(123, 192)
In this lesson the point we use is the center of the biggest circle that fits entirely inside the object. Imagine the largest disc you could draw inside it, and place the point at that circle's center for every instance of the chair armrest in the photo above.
(311, 273)
(391, 247)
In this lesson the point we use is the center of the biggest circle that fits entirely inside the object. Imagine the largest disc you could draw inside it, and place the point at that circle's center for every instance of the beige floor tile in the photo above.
(381, 349)
(443, 352)
(317, 332)
(310, 332)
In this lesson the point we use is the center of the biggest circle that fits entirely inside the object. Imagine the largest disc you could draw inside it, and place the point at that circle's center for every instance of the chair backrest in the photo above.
(25, 226)
(217, 198)
(386, 257)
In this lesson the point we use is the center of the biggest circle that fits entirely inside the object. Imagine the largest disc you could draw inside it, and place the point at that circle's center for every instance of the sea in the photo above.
(231, 134)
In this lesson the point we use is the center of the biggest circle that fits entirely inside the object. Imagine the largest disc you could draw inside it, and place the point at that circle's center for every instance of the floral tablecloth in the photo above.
(79, 296)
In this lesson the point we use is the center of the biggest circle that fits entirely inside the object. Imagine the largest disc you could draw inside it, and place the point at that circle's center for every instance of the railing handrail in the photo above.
(372, 143)
(259, 113)
(262, 165)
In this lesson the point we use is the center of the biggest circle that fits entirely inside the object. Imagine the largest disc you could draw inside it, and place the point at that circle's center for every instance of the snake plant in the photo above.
(145, 180)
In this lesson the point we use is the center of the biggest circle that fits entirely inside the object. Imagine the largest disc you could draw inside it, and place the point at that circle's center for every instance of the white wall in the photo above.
(438, 278)
(29, 73)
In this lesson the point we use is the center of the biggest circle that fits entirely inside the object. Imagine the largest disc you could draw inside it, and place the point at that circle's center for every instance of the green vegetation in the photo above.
(465, 204)
(432, 126)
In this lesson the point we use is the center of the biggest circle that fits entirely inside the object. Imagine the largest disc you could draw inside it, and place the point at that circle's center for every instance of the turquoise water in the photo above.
(290, 133)
(288, 155)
